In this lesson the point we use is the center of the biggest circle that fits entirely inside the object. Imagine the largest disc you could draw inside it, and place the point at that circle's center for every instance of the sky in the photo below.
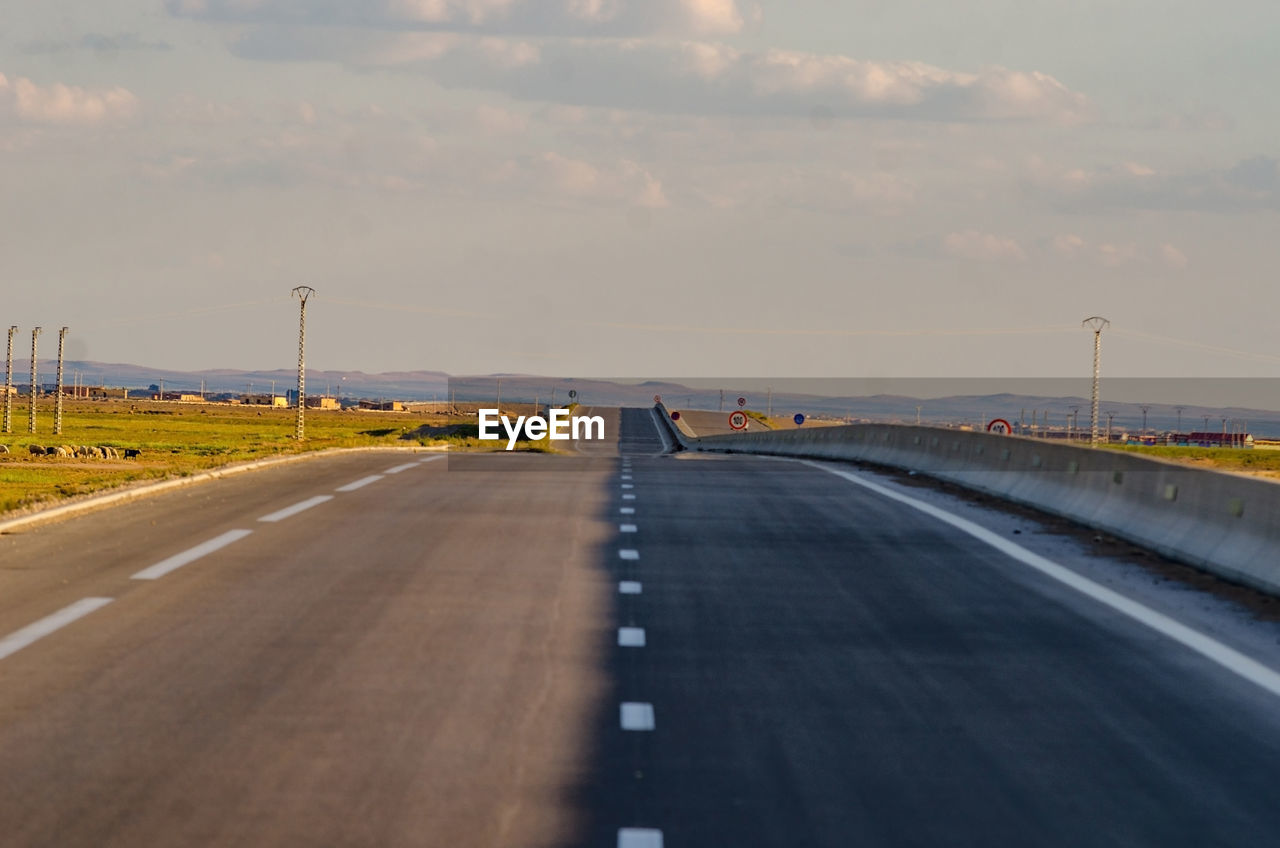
(775, 188)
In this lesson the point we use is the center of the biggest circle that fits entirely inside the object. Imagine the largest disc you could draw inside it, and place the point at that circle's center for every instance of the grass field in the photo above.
(1263, 463)
(178, 439)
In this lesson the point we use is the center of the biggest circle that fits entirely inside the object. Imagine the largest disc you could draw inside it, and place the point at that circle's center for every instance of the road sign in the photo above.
(742, 401)
(573, 393)
(1000, 426)
(738, 420)
(657, 398)
(799, 419)
(675, 416)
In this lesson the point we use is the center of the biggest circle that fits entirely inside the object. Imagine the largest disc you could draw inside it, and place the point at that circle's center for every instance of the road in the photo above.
(607, 648)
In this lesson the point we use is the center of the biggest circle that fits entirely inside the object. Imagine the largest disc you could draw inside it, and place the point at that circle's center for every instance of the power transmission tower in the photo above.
(302, 293)
(8, 384)
(1097, 324)
(1145, 410)
(31, 425)
(57, 397)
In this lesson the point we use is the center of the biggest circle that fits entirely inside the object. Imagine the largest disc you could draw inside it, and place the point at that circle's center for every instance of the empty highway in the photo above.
(608, 647)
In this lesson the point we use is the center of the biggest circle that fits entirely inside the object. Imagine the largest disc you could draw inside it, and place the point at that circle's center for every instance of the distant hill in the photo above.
(958, 410)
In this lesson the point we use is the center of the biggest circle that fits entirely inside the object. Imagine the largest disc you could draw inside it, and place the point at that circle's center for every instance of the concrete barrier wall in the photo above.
(1226, 524)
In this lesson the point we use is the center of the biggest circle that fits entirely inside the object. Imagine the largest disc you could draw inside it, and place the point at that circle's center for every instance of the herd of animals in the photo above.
(83, 451)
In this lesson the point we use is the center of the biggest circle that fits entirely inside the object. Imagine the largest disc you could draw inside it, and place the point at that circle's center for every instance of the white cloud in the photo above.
(1068, 244)
(694, 77)
(1173, 257)
(1250, 185)
(568, 18)
(1119, 255)
(623, 181)
(981, 247)
(63, 104)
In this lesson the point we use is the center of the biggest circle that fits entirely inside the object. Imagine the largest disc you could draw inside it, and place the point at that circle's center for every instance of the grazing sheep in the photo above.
(4, 448)
(36, 450)
(59, 452)
(131, 453)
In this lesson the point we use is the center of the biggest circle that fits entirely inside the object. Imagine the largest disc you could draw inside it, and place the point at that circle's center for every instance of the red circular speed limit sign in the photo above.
(738, 420)
(1000, 427)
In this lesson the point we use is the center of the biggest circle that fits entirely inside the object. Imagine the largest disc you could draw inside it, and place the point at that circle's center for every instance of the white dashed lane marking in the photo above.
(626, 528)
(628, 497)
(629, 553)
(629, 587)
(627, 510)
(639, 837)
(636, 716)
(291, 511)
(173, 563)
(20, 639)
(400, 468)
(628, 486)
(631, 637)
(359, 484)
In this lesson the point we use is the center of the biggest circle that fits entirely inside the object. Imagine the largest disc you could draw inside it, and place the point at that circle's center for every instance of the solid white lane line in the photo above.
(20, 639)
(636, 716)
(631, 637)
(639, 837)
(400, 468)
(629, 553)
(629, 587)
(628, 486)
(429, 459)
(173, 563)
(359, 484)
(1230, 659)
(626, 528)
(627, 510)
(301, 506)
(628, 497)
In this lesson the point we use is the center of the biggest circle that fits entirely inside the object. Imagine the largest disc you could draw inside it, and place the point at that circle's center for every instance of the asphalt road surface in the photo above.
(606, 648)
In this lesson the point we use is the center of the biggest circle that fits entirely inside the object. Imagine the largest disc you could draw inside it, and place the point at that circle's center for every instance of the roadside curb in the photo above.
(120, 496)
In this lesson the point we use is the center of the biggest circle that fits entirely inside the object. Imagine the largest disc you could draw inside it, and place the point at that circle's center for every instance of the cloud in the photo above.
(562, 18)
(1173, 257)
(1067, 244)
(1248, 186)
(982, 247)
(564, 177)
(63, 104)
(691, 77)
(99, 43)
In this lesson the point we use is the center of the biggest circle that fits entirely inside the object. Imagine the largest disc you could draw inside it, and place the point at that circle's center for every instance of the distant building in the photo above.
(1213, 440)
(383, 406)
(323, 403)
(264, 400)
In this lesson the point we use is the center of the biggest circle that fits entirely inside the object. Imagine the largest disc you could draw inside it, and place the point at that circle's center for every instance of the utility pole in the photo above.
(918, 415)
(769, 413)
(1110, 415)
(302, 293)
(8, 384)
(722, 400)
(1145, 409)
(35, 333)
(57, 397)
(1179, 408)
(1075, 424)
(1097, 324)
(499, 395)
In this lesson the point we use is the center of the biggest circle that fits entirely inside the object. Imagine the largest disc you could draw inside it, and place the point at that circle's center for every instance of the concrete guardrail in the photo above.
(1226, 524)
